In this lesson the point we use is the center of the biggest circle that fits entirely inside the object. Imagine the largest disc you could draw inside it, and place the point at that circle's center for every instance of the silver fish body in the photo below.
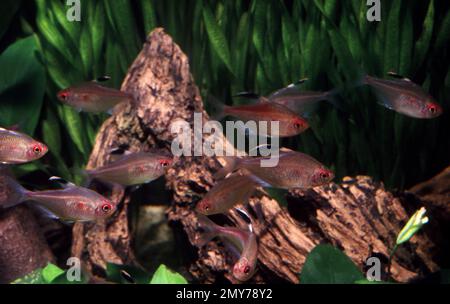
(405, 97)
(133, 169)
(19, 148)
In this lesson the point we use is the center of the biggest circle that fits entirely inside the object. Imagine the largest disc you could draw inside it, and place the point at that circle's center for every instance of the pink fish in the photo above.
(294, 170)
(133, 169)
(70, 204)
(92, 97)
(243, 240)
(19, 148)
(227, 193)
(404, 96)
(290, 123)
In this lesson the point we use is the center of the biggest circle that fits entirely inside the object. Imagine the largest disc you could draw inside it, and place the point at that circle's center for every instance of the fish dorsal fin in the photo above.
(62, 182)
(250, 95)
(289, 90)
(102, 78)
(119, 151)
(246, 217)
(398, 76)
(284, 149)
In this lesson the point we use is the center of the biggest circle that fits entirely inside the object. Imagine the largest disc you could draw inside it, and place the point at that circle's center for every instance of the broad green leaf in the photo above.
(163, 275)
(328, 265)
(22, 85)
(50, 272)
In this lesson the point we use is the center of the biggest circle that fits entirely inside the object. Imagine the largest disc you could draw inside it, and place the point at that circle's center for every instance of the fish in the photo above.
(404, 96)
(244, 241)
(132, 169)
(298, 101)
(70, 204)
(290, 123)
(92, 97)
(19, 148)
(294, 170)
(226, 194)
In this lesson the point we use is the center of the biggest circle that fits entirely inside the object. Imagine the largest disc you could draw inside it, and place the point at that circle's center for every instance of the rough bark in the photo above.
(23, 247)
(358, 215)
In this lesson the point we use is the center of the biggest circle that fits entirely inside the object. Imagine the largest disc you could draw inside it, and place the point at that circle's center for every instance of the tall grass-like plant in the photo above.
(261, 46)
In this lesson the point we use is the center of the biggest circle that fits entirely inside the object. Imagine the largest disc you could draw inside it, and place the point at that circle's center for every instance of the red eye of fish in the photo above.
(246, 269)
(324, 175)
(106, 208)
(164, 163)
(37, 149)
(432, 109)
(63, 95)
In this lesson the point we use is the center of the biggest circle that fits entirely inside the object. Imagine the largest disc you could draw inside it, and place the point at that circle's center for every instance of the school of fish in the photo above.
(235, 183)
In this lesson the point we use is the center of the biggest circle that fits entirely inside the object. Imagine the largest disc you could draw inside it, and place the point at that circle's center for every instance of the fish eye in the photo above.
(164, 163)
(206, 206)
(106, 208)
(432, 109)
(246, 269)
(37, 149)
(297, 125)
(324, 175)
(63, 95)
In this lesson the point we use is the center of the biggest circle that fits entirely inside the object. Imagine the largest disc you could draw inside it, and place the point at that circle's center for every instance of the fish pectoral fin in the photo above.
(44, 211)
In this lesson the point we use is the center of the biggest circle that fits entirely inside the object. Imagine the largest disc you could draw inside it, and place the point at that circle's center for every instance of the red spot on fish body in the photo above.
(80, 205)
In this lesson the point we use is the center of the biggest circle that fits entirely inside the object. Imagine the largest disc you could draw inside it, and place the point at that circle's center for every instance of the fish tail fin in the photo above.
(231, 164)
(86, 175)
(209, 230)
(11, 192)
(216, 108)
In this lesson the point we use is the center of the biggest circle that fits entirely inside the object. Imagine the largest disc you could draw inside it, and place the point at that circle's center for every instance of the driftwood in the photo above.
(359, 215)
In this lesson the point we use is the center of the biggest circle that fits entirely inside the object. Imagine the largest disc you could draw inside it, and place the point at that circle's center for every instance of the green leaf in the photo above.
(149, 16)
(217, 38)
(163, 275)
(423, 44)
(391, 46)
(41, 275)
(22, 85)
(50, 272)
(328, 265)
